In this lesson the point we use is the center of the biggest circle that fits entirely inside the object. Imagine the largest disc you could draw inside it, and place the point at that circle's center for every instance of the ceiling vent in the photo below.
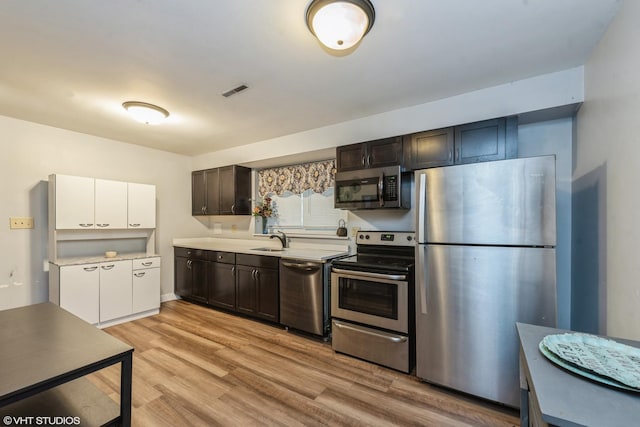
(235, 90)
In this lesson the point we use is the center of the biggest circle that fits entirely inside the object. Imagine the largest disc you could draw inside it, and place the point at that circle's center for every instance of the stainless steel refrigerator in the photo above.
(485, 260)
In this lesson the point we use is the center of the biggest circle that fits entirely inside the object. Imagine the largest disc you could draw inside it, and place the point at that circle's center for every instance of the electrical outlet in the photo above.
(16, 222)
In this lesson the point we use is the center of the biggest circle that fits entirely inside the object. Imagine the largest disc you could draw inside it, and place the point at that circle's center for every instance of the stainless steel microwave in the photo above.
(373, 188)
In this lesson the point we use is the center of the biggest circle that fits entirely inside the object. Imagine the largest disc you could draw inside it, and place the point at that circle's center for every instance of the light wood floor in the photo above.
(197, 366)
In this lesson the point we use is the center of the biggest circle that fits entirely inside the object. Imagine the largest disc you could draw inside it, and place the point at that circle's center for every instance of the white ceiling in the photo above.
(71, 63)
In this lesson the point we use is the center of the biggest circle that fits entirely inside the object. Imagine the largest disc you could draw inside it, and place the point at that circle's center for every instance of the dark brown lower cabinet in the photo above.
(247, 284)
(190, 270)
(221, 280)
(257, 288)
(222, 285)
(182, 276)
(246, 295)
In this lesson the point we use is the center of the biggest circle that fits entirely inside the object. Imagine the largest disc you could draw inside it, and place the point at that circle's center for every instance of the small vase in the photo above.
(261, 225)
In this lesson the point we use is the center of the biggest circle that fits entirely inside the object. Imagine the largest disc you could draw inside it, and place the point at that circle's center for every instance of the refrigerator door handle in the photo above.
(422, 278)
(421, 197)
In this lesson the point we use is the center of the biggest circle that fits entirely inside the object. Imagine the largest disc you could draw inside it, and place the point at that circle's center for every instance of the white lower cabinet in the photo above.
(146, 284)
(115, 290)
(106, 293)
(79, 291)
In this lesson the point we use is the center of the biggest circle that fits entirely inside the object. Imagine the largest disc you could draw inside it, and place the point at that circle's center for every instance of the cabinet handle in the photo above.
(139, 274)
(369, 160)
(147, 263)
(233, 270)
(233, 209)
(134, 225)
(189, 264)
(457, 154)
(204, 209)
(364, 161)
(108, 267)
(85, 225)
(257, 273)
(102, 225)
(450, 155)
(90, 268)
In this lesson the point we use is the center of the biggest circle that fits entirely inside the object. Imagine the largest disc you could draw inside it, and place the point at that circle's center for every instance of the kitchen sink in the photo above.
(268, 249)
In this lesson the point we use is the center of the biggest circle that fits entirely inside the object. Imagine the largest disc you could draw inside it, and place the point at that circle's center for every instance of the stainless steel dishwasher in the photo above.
(304, 296)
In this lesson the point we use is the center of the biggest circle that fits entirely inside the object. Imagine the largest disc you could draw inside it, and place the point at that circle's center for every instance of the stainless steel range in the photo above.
(372, 300)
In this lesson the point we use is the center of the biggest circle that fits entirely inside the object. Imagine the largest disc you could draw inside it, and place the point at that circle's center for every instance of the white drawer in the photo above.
(152, 262)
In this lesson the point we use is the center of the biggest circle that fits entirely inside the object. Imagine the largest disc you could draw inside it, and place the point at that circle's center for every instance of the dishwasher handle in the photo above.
(306, 266)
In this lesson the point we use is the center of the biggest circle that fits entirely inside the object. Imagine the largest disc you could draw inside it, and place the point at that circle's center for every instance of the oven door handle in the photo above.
(370, 275)
(362, 331)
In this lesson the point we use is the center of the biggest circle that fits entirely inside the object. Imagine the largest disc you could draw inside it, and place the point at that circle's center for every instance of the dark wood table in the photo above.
(553, 396)
(44, 353)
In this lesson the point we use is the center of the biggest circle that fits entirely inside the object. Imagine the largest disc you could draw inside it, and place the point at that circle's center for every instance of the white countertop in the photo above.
(307, 252)
(100, 258)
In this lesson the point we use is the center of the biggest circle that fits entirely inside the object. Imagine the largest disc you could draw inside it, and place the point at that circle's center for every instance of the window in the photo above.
(302, 196)
(309, 210)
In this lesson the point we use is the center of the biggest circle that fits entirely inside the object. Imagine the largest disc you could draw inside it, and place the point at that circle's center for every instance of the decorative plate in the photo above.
(568, 366)
(595, 355)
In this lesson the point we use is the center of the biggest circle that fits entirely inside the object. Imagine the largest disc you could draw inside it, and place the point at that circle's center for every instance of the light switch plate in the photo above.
(16, 222)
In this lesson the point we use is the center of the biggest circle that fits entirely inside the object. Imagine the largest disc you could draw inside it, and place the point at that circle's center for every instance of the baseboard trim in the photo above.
(168, 297)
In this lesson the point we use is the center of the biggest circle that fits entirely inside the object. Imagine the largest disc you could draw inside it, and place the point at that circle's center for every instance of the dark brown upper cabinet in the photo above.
(221, 191)
(371, 154)
(488, 140)
(429, 149)
(205, 192)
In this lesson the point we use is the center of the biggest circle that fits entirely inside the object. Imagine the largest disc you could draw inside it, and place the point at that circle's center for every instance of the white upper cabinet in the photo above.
(91, 203)
(74, 202)
(110, 204)
(141, 205)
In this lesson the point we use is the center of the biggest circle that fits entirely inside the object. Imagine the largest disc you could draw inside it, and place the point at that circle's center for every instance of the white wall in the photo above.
(556, 137)
(537, 93)
(607, 175)
(30, 152)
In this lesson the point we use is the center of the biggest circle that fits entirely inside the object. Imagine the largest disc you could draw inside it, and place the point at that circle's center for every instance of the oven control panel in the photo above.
(391, 238)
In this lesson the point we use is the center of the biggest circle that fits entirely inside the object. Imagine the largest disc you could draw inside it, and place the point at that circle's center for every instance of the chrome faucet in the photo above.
(283, 239)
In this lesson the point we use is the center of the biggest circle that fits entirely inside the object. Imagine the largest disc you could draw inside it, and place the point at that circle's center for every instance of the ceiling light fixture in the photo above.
(146, 113)
(340, 24)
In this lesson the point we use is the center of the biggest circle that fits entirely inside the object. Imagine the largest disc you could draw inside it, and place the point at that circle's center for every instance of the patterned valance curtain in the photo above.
(317, 176)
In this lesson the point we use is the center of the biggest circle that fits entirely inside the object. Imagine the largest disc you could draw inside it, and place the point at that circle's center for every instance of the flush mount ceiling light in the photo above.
(340, 24)
(146, 113)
